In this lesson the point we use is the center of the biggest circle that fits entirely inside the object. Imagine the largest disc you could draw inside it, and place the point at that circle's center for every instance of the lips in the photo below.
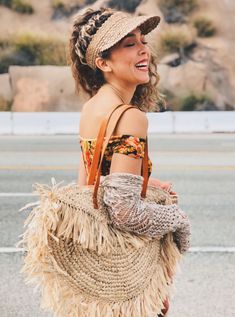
(142, 65)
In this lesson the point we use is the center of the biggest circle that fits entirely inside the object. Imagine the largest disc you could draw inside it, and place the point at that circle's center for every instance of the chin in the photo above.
(141, 78)
(143, 81)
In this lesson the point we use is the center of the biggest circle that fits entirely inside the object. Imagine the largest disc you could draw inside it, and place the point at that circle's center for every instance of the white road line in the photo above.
(208, 249)
(17, 195)
(211, 249)
(157, 166)
(11, 250)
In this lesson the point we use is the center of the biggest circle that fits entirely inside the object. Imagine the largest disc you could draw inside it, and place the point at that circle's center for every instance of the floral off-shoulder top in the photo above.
(123, 144)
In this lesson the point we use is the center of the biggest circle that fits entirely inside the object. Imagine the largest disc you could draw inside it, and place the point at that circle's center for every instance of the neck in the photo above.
(124, 94)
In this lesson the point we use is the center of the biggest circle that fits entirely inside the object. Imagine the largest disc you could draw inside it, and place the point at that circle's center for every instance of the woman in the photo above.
(115, 79)
(112, 62)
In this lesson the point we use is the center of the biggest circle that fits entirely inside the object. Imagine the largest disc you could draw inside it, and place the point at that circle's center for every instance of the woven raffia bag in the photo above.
(86, 267)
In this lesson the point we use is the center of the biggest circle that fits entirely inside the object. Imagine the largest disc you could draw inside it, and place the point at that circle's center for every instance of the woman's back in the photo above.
(95, 109)
(128, 138)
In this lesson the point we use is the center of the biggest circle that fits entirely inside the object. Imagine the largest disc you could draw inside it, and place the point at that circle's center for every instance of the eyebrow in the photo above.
(130, 35)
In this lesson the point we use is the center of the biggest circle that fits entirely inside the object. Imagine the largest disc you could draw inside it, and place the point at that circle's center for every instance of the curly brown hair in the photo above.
(85, 25)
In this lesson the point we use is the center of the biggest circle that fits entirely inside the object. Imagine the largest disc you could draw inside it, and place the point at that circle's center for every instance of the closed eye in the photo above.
(129, 45)
(132, 44)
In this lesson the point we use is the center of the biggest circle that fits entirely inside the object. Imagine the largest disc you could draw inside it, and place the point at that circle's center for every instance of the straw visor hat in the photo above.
(118, 25)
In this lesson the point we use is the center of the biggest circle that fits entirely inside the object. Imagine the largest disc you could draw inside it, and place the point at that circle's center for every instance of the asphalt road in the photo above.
(202, 169)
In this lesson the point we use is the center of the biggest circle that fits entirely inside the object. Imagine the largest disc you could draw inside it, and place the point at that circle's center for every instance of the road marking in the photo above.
(212, 249)
(157, 167)
(152, 152)
(194, 167)
(17, 194)
(208, 249)
(11, 250)
(38, 168)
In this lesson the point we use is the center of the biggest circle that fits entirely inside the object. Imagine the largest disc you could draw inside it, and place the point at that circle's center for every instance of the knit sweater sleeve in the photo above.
(129, 211)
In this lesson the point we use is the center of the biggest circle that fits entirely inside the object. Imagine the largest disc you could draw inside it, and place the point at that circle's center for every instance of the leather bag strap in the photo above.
(144, 169)
(110, 121)
(99, 144)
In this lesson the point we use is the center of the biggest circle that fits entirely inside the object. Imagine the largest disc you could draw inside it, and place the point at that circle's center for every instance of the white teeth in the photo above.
(145, 65)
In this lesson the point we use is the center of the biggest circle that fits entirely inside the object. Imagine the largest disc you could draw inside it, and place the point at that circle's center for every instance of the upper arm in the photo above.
(133, 122)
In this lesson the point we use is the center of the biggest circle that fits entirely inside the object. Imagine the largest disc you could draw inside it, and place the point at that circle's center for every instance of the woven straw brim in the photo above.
(116, 28)
(145, 23)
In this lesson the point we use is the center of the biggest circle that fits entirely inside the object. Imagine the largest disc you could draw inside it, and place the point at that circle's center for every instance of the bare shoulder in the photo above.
(134, 122)
(85, 108)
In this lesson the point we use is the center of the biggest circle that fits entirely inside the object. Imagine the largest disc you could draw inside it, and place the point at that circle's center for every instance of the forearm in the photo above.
(82, 175)
(130, 212)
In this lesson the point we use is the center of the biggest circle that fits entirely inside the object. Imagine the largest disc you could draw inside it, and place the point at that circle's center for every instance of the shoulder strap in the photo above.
(98, 146)
(96, 171)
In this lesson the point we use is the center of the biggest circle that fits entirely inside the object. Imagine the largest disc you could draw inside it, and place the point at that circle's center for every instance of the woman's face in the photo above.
(129, 59)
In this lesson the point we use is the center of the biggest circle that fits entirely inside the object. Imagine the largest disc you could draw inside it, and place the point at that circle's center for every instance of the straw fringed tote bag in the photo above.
(84, 266)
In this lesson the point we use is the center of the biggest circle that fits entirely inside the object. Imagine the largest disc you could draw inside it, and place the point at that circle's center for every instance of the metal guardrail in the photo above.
(44, 123)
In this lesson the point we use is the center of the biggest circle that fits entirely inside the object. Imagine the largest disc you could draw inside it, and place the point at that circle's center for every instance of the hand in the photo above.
(164, 185)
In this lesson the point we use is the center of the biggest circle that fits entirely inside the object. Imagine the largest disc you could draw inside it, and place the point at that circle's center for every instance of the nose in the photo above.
(143, 49)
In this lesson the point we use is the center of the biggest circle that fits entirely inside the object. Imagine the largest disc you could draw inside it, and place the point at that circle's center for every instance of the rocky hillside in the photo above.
(195, 45)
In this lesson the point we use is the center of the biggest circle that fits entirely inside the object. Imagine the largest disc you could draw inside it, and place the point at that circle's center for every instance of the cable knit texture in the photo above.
(130, 212)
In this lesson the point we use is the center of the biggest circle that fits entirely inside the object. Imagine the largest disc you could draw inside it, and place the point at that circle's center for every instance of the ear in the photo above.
(103, 64)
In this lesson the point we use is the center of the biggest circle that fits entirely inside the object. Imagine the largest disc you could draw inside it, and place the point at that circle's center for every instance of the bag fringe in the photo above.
(53, 217)
(59, 296)
(62, 220)
(170, 254)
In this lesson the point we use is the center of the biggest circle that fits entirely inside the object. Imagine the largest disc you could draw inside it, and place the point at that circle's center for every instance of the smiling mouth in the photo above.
(143, 66)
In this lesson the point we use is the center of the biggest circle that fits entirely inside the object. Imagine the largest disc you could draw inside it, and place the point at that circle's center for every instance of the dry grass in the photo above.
(44, 50)
(58, 4)
(194, 101)
(20, 6)
(191, 102)
(124, 5)
(177, 10)
(31, 49)
(66, 8)
(5, 105)
(175, 39)
(205, 26)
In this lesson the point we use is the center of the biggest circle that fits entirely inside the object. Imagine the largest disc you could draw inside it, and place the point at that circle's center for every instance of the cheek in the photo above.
(124, 58)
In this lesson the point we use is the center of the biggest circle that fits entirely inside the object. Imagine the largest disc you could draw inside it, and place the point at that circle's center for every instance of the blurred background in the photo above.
(194, 43)
(192, 144)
